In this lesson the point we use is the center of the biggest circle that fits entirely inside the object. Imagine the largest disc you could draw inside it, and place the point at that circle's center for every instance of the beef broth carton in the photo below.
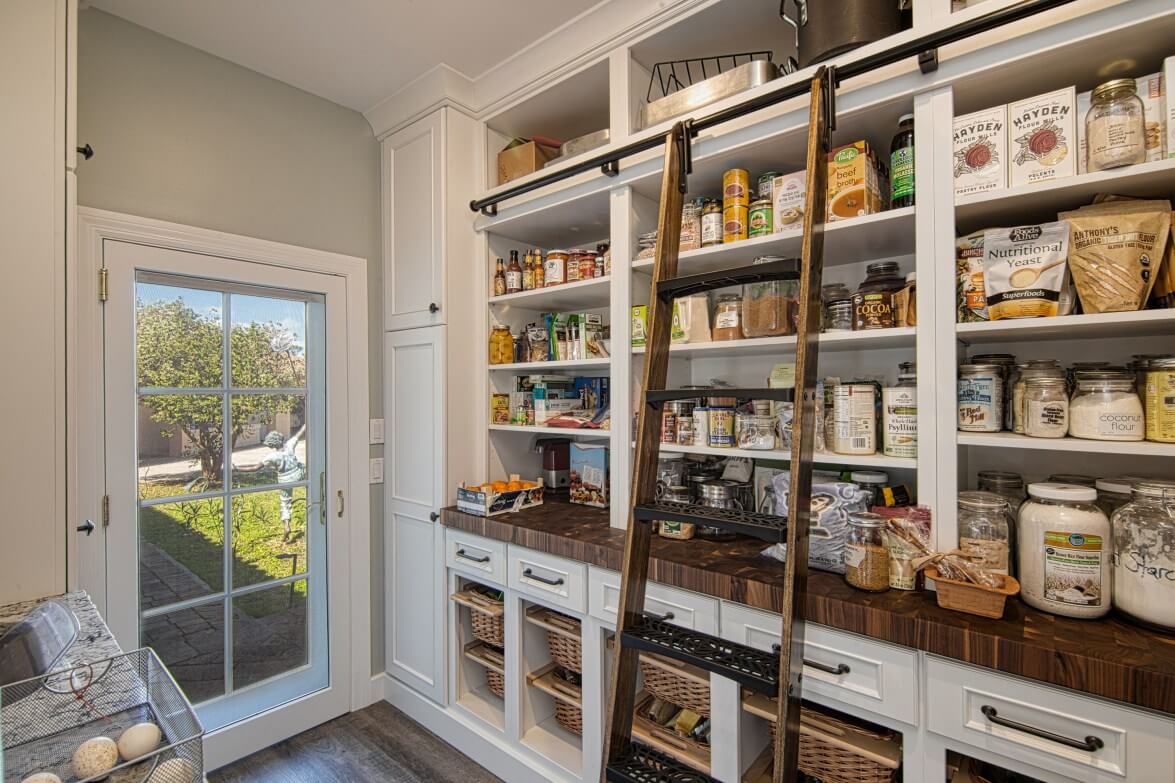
(981, 151)
(1042, 138)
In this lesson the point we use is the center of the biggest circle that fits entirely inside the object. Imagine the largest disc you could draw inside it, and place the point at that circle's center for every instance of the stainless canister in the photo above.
(721, 494)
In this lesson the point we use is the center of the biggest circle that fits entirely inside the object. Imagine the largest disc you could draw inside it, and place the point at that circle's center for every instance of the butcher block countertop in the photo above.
(1109, 658)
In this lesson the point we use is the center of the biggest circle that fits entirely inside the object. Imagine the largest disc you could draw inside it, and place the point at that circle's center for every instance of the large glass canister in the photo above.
(1144, 555)
(983, 530)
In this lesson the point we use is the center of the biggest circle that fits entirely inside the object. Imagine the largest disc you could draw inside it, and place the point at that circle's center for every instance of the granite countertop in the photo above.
(1109, 658)
(94, 642)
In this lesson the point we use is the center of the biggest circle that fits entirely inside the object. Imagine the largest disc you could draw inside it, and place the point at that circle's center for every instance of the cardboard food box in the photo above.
(640, 325)
(1084, 99)
(520, 160)
(1152, 89)
(500, 408)
(788, 192)
(1169, 106)
(544, 410)
(589, 474)
(853, 187)
(1042, 138)
(483, 501)
(981, 151)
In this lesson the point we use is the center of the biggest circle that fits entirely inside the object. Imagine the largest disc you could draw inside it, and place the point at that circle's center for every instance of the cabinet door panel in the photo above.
(413, 174)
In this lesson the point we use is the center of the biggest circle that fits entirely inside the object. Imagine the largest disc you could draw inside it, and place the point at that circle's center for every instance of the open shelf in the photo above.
(1010, 440)
(557, 744)
(565, 364)
(1143, 323)
(820, 458)
(781, 346)
(580, 295)
(566, 432)
(659, 738)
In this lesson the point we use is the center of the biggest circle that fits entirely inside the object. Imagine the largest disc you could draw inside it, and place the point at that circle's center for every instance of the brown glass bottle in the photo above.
(873, 302)
(513, 274)
(500, 278)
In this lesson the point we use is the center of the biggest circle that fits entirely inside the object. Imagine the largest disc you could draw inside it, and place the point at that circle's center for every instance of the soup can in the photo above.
(854, 414)
(981, 398)
(767, 185)
(721, 428)
(701, 426)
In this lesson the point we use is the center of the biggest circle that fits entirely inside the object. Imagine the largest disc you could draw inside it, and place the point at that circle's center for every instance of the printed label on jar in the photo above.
(873, 311)
(981, 404)
(1106, 425)
(721, 428)
(1160, 406)
(899, 413)
(991, 556)
(726, 320)
(553, 270)
(711, 228)
(1072, 568)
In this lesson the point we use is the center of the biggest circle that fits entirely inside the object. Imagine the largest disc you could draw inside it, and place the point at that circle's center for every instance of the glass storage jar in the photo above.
(1046, 407)
(501, 345)
(1010, 372)
(1112, 494)
(872, 482)
(1064, 551)
(1009, 486)
(755, 432)
(718, 494)
(866, 558)
(1115, 126)
(767, 306)
(1144, 555)
(1106, 406)
(980, 398)
(983, 530)
(728, 317)
(1035, 368)
(873, 302)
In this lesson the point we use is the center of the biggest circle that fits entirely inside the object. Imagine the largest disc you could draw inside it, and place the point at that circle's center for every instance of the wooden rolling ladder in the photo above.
(625, 759)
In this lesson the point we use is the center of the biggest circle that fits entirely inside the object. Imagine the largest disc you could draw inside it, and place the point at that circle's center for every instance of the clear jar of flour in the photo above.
(1065, 551)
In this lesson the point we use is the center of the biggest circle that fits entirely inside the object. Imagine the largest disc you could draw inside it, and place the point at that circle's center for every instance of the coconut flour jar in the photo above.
(1105, 406)
(1065, 551)
(1144, 555)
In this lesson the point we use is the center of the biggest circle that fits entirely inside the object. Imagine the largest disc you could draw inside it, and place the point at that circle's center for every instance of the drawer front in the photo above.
(690, 610)
(874, 676)
(554, 580)
(481, 558)
(1040, 725)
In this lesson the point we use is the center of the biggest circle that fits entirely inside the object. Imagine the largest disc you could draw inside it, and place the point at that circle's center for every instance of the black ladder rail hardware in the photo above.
(658, 397)
(766, 527)
(638, 763)
(751, 668)
(786, 269)
(850, 69)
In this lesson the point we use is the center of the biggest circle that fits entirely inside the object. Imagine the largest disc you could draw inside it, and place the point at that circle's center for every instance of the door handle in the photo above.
(433, 307)
(434, 516)
(461, 553)
(87, 527)
(661, 618)
(529, 574)
(1090, 744)
(839, 669)
(341, 504)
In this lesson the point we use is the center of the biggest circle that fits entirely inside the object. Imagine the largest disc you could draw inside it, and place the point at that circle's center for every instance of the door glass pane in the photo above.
(179, 336)
(190, 642)
(269, 439)
(269, 535)
(269, 632)
(181, 551)
(268, 342)
(181, 444)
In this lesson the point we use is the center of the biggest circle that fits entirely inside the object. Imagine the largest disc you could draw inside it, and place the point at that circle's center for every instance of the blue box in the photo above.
(589, 474)
(593, 391)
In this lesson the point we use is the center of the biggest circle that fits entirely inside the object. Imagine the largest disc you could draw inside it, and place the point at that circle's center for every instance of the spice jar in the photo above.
(871, 482)
(712, 223)
(983, 530)
(1046, 402)
(1105, 406)
(1115, 126)
(1064, 551)
(980, 398)
(1160, 400)
(501, 345)
(1144, 555)
(555, 268)
(1036, 368)
(866, 558)
(691, 224)
(873, 302)
(1112, 494)
(766, 305)
(755, 431)
(728, 317)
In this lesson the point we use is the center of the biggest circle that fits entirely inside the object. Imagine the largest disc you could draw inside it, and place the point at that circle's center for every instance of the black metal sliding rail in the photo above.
(924, 48)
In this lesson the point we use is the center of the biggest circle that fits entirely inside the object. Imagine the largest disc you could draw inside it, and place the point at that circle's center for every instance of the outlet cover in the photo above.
(375, 470)
(375, 432)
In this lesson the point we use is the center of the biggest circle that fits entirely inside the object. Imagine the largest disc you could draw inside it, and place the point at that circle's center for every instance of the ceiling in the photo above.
(353, 52)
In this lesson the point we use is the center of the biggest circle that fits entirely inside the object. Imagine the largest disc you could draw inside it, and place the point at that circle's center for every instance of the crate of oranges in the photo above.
(499, 497)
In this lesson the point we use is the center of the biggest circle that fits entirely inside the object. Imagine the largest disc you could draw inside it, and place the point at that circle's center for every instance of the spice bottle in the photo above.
(528, 272)
(1144, 555)
(540, 271)
(728, 317)
(712, 223)
(983, 530)
(513, 274)
(873, 302)
(1115, 127)
(866, 558)
(901, 164)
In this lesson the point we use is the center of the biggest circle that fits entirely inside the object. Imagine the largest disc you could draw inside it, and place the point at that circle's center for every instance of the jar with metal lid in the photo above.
(1007, 365)
(1160, 400)
(980, 398)
(501, 345)
(728, 317)
(1034, 368)
(677, 493)
(1082, 368)
(759, 218)
(1046, 404)
(1009, 485)
(1144, 555)
(1139, 364)
(767, 305)
(1112, 494)
(691, 224)
(587, 265)
(1080, 479)
(984, 535)
(1105, 406)
(866, 558)
(1065, 549)
(873, 302)
(755, 432)
(712, 223)
(718, 494)
(555, 268)
(1115, 126)
(872, 482)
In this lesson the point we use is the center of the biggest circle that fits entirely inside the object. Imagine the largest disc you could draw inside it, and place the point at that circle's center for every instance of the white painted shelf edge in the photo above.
(820, 458)
(1141, 322)
(1077, 445)
(565, 364)
(831, 341)
(566, 432)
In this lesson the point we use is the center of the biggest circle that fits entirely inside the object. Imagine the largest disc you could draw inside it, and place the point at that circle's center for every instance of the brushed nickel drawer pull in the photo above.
(1090, 744)
(464, 556)
(552, 582)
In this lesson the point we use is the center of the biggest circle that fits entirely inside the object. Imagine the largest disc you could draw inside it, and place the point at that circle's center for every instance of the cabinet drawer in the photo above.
(690, 610)
(1043, 726)
(482, 558)
(874, 676)
(552, 579)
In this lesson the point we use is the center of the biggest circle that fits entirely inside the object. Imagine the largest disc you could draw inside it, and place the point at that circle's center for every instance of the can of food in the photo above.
(736, 188)
(685, 430)
(721, 428)
(1160, 400)
(981, 398)
(759, 218)
(668, 427)
(734, 223)
(679, 530)
(899, 414)
(702, 425)
(555, 268)
(712, 224)
(854, 417)
(767, 185)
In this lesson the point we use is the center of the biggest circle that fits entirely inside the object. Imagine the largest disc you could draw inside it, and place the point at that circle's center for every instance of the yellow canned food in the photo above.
(736, 188)
(1160, 401)
(734, 224)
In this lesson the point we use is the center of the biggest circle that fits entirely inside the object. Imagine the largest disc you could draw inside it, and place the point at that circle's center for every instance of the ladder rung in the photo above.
(767, 527)
(788, 269)
(747, 666)
(658, 397)
(638, 763)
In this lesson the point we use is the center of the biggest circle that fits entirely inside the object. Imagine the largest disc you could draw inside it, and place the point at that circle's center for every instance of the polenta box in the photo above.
(981, 151)
(482, 500)
(589, 474)
(1042, 137)
(788, 192)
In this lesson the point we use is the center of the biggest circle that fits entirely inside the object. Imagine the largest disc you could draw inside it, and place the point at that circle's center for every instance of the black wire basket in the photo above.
(672, 75)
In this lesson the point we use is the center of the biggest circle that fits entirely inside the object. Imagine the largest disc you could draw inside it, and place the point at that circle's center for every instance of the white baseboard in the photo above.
(490, 751)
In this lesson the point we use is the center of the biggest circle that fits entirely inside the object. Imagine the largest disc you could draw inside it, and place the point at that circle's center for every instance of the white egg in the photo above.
(173, 771)
(95, 756)
(138, 741)
(42, 777)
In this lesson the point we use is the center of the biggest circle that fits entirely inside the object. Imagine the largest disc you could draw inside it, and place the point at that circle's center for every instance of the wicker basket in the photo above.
(677, 683)
(486, 615)
(823, 757)
(563, 636)
(496, 683)
(567, 713)
(972, 598)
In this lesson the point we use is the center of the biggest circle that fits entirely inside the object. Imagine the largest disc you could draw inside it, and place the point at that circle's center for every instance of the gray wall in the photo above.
(184, 136)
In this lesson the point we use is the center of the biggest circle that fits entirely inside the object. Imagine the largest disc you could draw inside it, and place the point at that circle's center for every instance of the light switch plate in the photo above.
(375, 470)
(376, 432)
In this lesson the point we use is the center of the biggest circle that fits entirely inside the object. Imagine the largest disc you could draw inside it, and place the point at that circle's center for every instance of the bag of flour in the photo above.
(1025, 274)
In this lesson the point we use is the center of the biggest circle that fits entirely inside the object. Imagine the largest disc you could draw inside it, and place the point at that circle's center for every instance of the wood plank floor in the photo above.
(378, 744)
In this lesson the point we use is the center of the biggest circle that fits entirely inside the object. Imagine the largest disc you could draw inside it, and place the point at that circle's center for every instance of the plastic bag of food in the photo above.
(1115, 251)
(828, 529)
(1025, 270)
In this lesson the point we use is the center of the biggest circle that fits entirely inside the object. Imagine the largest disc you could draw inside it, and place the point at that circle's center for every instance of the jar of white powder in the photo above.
(1065, 550)
(1105, 406)
(1144, 555)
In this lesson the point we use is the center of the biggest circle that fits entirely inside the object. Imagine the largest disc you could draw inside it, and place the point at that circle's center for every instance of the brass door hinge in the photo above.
(103, 284)
(105, 511)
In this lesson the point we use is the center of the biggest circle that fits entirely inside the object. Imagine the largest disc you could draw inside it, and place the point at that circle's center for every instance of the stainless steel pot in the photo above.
(826, 28)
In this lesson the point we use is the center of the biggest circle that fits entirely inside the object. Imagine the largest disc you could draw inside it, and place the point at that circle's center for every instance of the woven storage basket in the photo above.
(677, 684)
(486, 615)
(496, 683)
(832, 763)
(565, 647)
(971, 598)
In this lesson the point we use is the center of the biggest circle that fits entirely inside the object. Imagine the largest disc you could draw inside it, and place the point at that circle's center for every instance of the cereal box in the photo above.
(589, 474)
(1042, 138)
(853, 188)
(787, 201)
(499, 408)
(981, 151)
